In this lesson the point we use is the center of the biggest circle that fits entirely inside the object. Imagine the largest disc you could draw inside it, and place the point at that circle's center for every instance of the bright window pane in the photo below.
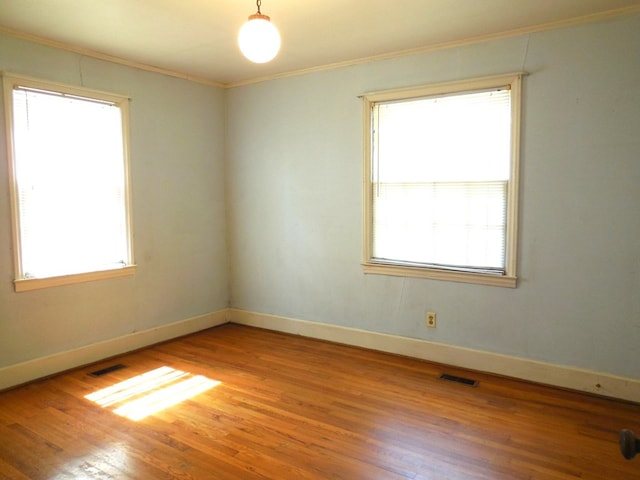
(440, 178)
(445, 224)
(70, 178)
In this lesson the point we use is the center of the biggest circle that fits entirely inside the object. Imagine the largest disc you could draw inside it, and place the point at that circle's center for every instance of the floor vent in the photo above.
(465, 381)
(104, 371)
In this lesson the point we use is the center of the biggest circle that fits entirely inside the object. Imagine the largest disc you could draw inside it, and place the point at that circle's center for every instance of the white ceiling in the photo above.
(197, 38)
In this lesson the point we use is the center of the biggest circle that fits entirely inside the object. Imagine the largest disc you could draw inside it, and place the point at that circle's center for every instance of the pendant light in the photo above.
(259, 39)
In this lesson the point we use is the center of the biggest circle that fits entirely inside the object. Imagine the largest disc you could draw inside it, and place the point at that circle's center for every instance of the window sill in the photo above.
(446, 275)
(27, 284)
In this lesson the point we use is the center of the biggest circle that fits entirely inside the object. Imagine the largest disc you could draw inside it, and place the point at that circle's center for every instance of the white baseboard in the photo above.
(515, 367)
(545, 373)
(24, 372)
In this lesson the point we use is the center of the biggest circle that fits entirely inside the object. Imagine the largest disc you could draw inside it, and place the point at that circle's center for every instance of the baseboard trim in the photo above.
(20, 373)
(515, 367)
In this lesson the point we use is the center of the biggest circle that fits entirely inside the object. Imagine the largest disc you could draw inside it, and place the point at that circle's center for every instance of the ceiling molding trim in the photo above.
(106, 57)
(321, 68)
(594, 17)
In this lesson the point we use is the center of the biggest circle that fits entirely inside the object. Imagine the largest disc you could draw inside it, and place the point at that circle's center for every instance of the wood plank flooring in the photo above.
(288, 407)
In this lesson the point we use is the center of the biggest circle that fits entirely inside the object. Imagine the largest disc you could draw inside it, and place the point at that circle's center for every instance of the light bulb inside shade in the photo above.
(259, 39)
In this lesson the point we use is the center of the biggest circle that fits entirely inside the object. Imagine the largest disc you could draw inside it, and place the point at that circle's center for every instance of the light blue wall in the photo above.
(177, 169)
(295, 185)
(294, 176)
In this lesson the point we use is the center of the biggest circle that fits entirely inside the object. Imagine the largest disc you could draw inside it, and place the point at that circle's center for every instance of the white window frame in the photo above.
(21, 282)
(369, 263)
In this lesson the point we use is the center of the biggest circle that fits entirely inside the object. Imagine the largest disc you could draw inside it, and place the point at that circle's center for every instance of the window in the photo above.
(441, 178)
(69, 183)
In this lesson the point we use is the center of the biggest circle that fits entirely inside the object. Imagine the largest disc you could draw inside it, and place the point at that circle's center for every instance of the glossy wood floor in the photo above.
(288, 407)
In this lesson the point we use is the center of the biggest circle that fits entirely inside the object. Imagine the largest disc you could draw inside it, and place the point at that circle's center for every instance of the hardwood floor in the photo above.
(288, 407)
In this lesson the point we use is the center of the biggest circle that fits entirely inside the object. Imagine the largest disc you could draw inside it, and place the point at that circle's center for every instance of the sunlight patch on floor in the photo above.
(151, 392)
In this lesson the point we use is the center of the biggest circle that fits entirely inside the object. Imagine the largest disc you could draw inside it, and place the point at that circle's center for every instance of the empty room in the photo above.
(377, 240)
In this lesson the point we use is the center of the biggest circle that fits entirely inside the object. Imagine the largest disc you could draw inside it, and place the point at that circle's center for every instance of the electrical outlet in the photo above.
(431, 319)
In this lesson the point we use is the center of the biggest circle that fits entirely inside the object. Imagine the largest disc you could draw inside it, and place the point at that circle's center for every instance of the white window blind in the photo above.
(440, 172)
(70, 175)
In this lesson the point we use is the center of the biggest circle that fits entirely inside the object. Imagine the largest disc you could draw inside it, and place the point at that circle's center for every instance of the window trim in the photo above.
(21, 283)
(371, 266)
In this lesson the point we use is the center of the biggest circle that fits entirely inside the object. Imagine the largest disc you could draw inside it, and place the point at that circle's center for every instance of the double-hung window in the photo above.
(69, 183)
(441, 181)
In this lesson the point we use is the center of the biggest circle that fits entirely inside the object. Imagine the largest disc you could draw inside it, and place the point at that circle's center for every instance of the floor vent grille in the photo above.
(104, 371)
(453, 378)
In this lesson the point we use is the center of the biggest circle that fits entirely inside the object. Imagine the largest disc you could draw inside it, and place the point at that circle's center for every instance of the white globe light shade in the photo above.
(259, 39)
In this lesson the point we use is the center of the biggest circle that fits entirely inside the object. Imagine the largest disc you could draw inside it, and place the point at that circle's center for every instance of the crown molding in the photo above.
(448, 45)
(106, 57)
(331, 66)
